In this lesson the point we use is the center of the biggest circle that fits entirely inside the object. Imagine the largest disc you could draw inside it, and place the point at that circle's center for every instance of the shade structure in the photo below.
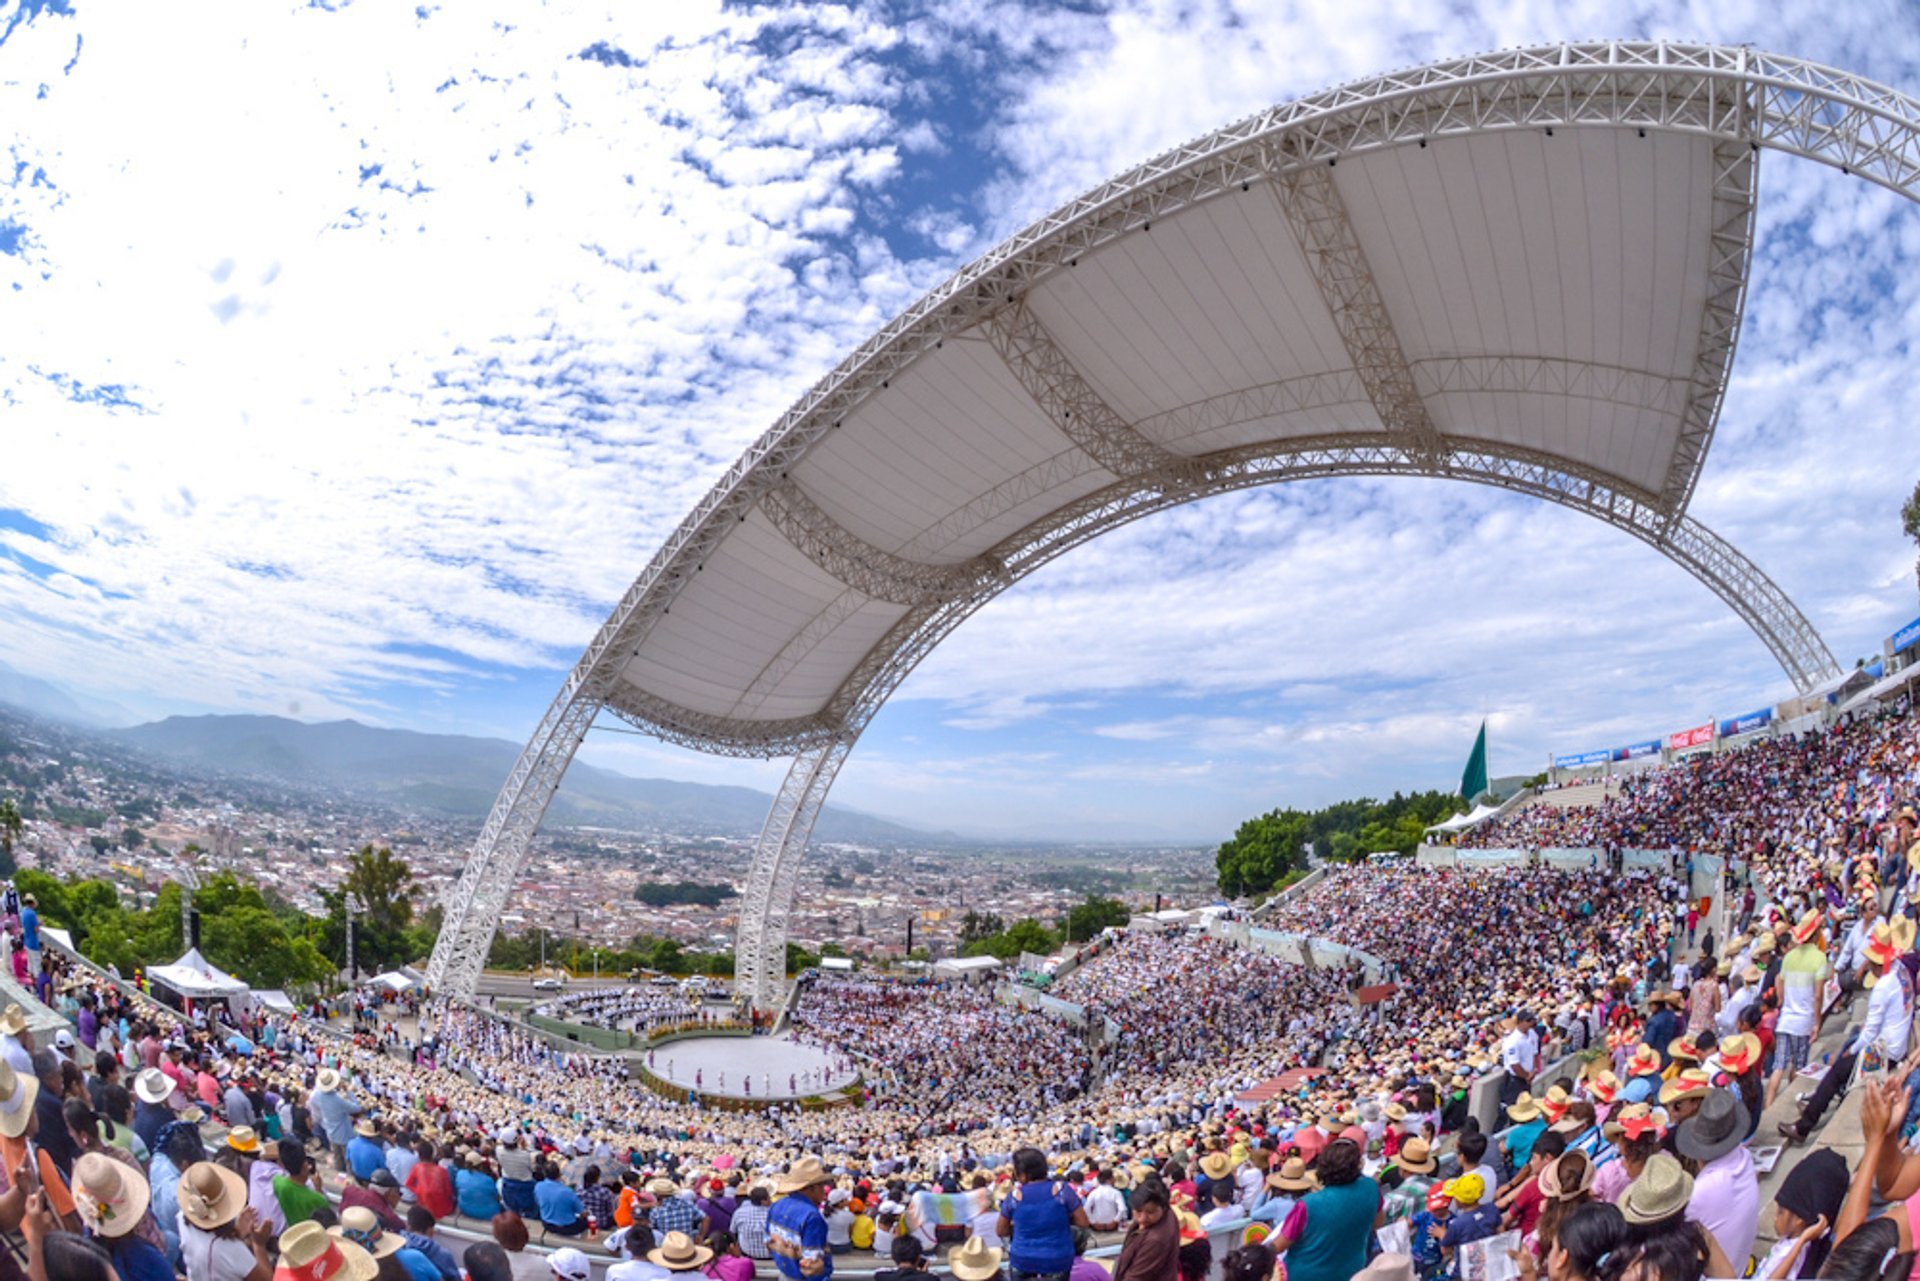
(1523, 269)
(194, 975)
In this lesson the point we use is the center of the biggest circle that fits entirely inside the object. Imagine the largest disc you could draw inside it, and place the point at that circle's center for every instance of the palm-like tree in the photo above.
(1910, 521)
(11, 825)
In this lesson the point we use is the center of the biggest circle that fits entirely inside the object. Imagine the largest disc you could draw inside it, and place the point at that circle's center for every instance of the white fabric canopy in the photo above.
(194, 975)
(1885, 687)
(393, 981)
(274, 999)
(1461, 822)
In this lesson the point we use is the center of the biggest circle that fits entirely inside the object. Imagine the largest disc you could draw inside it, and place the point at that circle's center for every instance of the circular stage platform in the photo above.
(756, 1068)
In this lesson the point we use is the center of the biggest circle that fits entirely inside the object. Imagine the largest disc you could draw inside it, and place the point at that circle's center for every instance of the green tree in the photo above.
(975, 926)
(132, 838)
(1091, 915)
(1262, 851)
(1910, 520)
(11, 825)
(253, 943)
(384, 889)
(1024, 935)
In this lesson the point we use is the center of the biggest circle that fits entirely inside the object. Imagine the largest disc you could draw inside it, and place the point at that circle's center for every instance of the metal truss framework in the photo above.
(1740, 98)
(1746, 589)
(1312, 206)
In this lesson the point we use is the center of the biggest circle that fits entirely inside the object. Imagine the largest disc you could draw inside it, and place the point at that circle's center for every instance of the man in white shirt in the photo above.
(1883, 1037)
(1520, 1056)
(1106, 1208)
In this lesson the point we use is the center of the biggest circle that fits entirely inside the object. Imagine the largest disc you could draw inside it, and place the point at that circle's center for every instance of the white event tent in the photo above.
(195, 976)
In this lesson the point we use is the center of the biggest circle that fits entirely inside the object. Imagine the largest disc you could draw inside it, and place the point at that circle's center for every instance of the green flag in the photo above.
(1474, 781)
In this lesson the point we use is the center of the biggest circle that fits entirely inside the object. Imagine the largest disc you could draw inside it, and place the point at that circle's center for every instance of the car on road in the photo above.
(548, 984)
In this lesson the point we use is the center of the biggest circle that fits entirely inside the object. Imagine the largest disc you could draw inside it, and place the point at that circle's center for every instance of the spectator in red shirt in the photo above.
(430, 1184)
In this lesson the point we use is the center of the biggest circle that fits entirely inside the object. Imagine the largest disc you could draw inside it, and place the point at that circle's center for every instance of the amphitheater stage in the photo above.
(772, 1068)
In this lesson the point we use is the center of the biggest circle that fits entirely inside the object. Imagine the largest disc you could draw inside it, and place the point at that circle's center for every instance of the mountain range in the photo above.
(456, 776)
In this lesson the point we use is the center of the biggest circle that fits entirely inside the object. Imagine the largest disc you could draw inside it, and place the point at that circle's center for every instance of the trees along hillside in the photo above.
(1270, 847)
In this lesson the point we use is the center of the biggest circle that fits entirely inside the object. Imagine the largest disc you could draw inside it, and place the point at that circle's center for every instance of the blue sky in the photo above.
(357, 356)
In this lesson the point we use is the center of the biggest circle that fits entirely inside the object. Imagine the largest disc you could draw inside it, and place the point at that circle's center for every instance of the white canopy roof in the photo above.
(194, 975)
(967, 964)
(1440, 266)
(274, 999)
(1885, 687)
(393, 981)
(1461, 822)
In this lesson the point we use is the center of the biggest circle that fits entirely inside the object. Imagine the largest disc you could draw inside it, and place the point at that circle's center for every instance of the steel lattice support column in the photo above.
(760, 945)
(471, 911)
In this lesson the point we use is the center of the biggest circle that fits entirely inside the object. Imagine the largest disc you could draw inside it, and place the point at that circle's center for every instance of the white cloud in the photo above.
(433, 329)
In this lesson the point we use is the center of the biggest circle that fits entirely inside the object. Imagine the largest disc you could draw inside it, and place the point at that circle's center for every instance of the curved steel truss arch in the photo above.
(1744, 100)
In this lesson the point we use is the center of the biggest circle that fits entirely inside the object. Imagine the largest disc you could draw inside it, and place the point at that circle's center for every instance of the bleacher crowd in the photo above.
(153, 1144)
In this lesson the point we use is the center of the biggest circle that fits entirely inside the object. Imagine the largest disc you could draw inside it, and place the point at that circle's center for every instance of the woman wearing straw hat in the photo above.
(220, 1239)
(112, 1201)
(1661, 1240)
(678, 1253)
(308, 1252)
(975, 1261)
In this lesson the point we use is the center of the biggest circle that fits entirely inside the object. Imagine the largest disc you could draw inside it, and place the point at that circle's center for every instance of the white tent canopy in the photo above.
(1884, 688)
(1461, 822)
(275, 999)
(393, 981)
(194, 975)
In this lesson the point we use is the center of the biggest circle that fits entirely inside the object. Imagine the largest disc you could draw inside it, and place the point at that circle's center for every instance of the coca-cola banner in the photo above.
(1690, 737)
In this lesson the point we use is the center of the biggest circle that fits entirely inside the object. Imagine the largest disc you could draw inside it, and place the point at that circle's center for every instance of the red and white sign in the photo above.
(1694, 737)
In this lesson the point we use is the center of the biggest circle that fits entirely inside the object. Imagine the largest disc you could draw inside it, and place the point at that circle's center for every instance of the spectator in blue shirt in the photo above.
(559, 1204)
(419, 1236)
(365, 1152)
(475, 1192)
(1037, 1219)
(796, 1230)
(30, 932)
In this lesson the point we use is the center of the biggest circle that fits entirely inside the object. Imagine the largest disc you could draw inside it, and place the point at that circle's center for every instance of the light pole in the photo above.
(350, 905)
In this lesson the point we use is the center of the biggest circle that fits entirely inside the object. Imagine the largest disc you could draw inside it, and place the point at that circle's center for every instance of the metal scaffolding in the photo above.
(1742, 100)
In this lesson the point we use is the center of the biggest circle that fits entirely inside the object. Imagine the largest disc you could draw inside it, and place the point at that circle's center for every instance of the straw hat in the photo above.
(1524, 1108)
(1292, 1176)
(1738, 1053)
(1635, 1120)
(1662, 1191)
(366, 1129)
(678, 1253)
(328, 1079)
(13, 1020)
(1690, 1084)
(1416, 1157)
(1763, 946)
(17, 1094)
(153, 1086)
(807, 1172)
(975, 1261)
(1555, 1103)
(1604, 1086)
(110, 1196)
(1557, 1183)
(1645, 1060)
(361, 1227)
(1216, 1165)
(1890, 940)
(1808, 927)
(211, 1196)
(241, 1138)
(309, 1253)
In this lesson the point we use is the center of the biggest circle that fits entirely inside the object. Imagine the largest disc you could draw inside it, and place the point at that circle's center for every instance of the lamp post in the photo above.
(351, 906)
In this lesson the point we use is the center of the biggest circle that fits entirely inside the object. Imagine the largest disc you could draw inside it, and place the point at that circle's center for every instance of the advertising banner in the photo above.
(1734, 726)
(1635, 751)
(1694, 737)
(1581, 760)
(1907, 637)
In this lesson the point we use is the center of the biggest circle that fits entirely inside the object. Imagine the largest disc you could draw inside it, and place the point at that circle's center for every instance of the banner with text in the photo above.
(1636, 751)
(1734, 726)
(1907, 637)
(1580, 760)
(1695, 737)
